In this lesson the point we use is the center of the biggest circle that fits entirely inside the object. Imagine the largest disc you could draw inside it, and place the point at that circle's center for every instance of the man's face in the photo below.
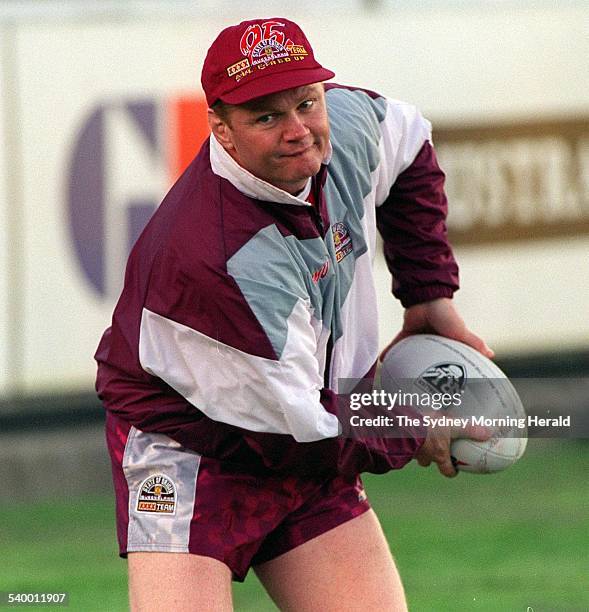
(281, 138)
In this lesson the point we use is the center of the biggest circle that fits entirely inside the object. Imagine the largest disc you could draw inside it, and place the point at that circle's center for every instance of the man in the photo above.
(247, 298)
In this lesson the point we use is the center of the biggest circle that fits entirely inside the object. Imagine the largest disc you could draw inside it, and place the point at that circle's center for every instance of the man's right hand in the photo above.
(436, 447)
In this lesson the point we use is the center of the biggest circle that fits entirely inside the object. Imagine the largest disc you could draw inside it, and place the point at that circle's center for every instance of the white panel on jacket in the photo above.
(237, 388)
(404, 131)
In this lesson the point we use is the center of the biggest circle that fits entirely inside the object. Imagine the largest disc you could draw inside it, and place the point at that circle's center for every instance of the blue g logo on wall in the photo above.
(106, 210)
(124, 158)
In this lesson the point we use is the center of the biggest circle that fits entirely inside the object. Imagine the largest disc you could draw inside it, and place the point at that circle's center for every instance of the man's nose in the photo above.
(295, 127)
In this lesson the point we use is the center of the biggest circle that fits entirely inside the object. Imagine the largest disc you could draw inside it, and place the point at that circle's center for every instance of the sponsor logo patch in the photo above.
(341, 240)
(238, 67)
(443, 378)
(320, 272)
(157, 495)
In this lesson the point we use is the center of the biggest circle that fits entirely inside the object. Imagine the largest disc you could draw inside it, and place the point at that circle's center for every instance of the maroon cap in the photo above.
(257, 58)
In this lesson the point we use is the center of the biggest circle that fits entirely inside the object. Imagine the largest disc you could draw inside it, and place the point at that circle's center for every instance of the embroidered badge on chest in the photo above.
(341, 240)
(157, 495)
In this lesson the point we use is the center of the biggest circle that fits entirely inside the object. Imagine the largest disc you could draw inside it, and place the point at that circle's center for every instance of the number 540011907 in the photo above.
(35, 598)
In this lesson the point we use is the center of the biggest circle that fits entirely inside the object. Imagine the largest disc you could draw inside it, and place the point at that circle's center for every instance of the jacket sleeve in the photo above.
(262, 452)
(411, 214)
(246, 359)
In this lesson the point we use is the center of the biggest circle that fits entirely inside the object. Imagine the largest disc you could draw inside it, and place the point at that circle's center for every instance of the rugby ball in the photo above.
(455, 384)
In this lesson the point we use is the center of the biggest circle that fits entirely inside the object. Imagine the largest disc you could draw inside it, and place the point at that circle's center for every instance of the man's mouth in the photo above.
(298, 152)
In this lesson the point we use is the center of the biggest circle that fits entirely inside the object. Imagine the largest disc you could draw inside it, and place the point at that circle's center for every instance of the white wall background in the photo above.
(3, 233)
(462, 63)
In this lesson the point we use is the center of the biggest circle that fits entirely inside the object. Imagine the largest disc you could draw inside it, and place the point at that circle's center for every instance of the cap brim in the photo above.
(273, 83)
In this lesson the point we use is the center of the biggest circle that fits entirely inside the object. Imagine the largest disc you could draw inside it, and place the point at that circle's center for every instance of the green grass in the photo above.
(475, 543)
(506, 541)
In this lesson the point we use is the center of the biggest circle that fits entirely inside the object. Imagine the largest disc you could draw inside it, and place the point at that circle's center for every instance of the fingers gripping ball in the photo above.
(464, 386)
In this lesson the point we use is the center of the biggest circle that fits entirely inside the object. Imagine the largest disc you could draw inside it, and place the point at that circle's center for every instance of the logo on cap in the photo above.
(264, 44)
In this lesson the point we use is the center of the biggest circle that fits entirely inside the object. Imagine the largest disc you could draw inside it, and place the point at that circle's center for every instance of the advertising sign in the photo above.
(106, 130)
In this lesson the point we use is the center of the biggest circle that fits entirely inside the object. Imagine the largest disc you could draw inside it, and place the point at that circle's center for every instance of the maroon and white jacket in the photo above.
(244, 306)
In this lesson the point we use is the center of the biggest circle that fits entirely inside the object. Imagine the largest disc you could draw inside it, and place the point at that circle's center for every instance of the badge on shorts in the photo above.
(157, 495)
(341, 240)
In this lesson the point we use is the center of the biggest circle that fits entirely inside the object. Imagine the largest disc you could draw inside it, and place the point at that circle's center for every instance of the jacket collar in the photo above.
(226, 167)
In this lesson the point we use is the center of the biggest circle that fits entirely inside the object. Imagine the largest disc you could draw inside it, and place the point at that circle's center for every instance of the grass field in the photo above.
(518, 540)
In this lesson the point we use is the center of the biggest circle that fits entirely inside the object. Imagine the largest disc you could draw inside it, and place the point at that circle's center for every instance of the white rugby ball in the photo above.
(426, 367)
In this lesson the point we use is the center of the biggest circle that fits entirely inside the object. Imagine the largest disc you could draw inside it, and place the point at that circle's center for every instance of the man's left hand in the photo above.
(439, 317)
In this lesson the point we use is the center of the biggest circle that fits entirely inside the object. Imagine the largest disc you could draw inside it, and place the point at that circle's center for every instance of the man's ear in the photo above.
(220, 129)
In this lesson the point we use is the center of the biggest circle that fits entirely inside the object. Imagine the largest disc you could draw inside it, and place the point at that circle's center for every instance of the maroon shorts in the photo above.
(170, 499)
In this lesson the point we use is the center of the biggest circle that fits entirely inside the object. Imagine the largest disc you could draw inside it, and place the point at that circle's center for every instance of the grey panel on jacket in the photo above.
(274, 271)
(355, 121)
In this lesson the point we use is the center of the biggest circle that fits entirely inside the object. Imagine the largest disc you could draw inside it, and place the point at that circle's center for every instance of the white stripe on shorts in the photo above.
(153, 526)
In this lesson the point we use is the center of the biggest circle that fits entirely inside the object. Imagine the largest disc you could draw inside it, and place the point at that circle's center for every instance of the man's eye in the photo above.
(265, 119)
(306, 104)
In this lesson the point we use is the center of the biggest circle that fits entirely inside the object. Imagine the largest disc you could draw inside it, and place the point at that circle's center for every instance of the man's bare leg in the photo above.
(349, 567)
(178, 581)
